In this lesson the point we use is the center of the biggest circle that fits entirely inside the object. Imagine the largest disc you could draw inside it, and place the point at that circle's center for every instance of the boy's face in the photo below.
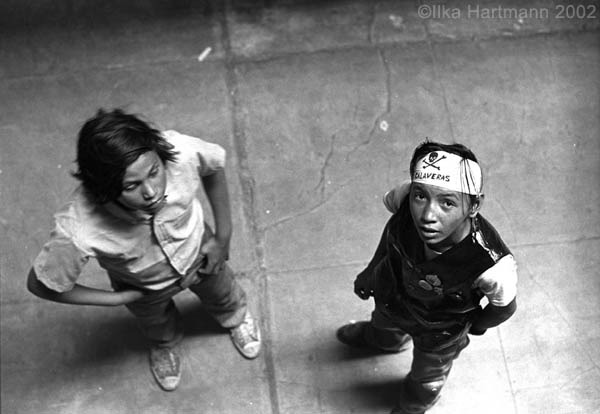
(144, 184)
(441, 216)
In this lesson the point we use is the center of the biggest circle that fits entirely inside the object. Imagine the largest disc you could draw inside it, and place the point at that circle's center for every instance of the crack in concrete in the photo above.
(371, 28)
(324, 199)
(434, 66)
(388, 80)
(323, 173)
(506, 368)
(552, 67)
(430, 91)
(521, 128)
(388, 105)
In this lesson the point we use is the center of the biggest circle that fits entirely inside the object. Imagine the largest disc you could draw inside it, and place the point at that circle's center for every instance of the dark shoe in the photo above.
(398, 410)
(166, 368)
(353, 334)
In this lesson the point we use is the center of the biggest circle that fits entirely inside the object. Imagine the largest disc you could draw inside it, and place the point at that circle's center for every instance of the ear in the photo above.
(476, 206)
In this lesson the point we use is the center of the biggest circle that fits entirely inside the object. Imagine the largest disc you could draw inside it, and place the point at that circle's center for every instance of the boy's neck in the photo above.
(430, 253)
(122, 211)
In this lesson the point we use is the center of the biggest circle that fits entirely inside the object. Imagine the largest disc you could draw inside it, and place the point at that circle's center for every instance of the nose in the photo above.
(148, 191)
(428, 215)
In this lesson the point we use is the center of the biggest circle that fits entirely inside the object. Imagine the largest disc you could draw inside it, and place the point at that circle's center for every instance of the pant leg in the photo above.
(382, 332)
(158, 317)
(222, 297)
(430, 368)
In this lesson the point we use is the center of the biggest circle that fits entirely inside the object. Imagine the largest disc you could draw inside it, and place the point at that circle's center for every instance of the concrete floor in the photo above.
(300, 94)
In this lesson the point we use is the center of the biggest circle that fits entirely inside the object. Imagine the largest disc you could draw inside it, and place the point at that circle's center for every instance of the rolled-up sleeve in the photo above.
(499, 282)
(59, 264)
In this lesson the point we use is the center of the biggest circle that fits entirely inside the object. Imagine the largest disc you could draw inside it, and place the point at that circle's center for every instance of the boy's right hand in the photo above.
(363, 287)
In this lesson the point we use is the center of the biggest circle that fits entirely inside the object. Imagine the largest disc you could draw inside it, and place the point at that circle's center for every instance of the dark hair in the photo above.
(426, 147)
(110, 142)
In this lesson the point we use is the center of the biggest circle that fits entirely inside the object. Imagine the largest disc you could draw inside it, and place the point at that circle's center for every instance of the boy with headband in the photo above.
(436, 261)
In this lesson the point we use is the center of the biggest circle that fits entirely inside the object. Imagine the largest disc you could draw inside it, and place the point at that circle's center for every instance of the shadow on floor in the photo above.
(116, 340)
(377, 395)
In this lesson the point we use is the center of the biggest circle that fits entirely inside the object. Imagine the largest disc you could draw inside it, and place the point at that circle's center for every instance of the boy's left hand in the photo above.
(216, 254)
(363, 287)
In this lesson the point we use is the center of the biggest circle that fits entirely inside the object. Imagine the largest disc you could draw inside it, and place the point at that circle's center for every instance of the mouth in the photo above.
(428, 231)
(154, 203)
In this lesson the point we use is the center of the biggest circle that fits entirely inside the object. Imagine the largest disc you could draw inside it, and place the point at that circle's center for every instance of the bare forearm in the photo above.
(215, 186)
(81, 295)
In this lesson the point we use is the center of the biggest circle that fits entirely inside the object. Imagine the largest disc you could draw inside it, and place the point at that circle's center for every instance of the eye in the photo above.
(130, 187)
(419, 196)
(449, 203)
(154, 172)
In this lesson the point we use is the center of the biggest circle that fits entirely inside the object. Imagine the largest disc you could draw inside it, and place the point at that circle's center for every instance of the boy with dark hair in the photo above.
(137, 213)
(437, 259)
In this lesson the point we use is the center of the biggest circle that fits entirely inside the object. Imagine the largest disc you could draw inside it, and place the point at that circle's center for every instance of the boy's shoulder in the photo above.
(393, 199)
(79, 206)
(178, 140)
(489, 239)
(172, 135)
(81, 215)
(194, 150)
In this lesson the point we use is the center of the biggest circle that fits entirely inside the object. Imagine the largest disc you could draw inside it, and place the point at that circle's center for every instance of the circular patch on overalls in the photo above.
(433, 280)
(425, 285)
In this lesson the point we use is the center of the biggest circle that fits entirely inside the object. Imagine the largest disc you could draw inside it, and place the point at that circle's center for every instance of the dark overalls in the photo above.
(433, 301)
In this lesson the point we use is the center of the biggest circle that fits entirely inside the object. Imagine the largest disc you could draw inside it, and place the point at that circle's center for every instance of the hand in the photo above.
(192, 277)
(362, 285)
(216, 254)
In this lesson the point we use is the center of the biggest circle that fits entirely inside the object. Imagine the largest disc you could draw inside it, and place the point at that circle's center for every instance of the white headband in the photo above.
(450, 171)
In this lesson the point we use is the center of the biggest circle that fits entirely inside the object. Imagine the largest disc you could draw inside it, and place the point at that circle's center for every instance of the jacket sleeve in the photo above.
(492, 316)
(366, 279)
(499, 285)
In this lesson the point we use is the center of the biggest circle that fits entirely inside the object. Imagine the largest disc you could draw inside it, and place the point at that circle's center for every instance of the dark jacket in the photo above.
(437, 294)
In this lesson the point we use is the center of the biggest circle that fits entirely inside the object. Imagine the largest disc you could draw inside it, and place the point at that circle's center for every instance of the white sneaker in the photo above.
(246, 337)
(166, 368)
